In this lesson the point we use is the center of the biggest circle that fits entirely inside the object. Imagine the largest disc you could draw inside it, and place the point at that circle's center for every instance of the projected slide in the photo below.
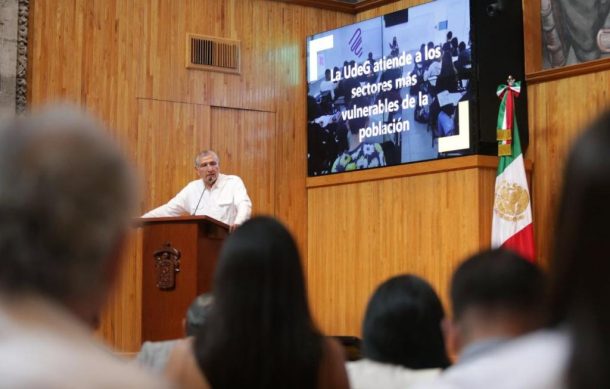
(390, 90)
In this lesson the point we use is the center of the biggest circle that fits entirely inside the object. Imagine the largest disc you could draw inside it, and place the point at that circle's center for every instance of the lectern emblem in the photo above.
(167, 262)
(511, 201)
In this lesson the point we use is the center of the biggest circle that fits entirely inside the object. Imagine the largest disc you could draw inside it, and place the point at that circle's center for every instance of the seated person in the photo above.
(327, 93)
(445, 123)
(260, 333)
(496, 295)
(360, 155)
(573, 352)
(402, 339)
(67, 196)
(154, 355)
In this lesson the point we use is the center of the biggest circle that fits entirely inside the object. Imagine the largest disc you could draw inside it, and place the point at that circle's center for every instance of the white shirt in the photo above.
(227, 201)
(42, 345)
(369, 374)
(328, 86)
(536, 361)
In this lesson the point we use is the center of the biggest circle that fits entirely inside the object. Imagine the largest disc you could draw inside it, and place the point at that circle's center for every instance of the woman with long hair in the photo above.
(580, 272)
(260, 333)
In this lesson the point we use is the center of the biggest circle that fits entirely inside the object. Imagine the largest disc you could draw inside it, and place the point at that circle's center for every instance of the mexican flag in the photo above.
(512, 212)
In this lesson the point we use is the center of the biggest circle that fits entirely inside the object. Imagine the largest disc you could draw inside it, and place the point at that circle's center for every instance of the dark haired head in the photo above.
(357, 123)
(449, 35)
(497, 279)
(580, 272)
(462, 46)
(313, 108)
(197, 314)
(447, 68)
(402, 325)
(260, 333)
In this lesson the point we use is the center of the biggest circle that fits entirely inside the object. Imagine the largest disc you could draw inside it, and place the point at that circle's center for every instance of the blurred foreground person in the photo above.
(260, 333)
(496, 295)
(66, 201)
(402, 339)
(154, 355)
(574, 352)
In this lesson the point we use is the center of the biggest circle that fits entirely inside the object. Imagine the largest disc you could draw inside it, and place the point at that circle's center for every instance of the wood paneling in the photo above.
(362, 233)
(119, 322)
(387, 8)
(169, 136)
(338, 5)
(247, 148)
(124, 61)
(558, 111)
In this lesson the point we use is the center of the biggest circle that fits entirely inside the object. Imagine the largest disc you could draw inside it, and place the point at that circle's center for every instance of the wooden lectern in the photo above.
(178, 261)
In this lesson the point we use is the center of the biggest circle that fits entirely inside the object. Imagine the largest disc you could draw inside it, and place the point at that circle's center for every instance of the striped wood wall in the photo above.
(124, 61)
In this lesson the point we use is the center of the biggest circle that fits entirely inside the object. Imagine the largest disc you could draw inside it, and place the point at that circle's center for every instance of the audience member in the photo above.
(496, 295)
(574, 351)
(154, 355)
(394, 50)
(328, 86)
(402, 339)
(260, 333)
(447, 78)
(360, 155)
(463, 62)
(66, 200)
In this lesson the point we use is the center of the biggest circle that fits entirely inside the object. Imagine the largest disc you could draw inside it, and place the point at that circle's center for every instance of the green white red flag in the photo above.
(512, 212)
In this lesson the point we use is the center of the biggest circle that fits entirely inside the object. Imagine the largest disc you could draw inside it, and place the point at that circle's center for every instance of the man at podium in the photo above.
(220, 196)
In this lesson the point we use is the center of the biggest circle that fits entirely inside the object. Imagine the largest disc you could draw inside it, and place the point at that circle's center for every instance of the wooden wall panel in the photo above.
(361, 234)
(169, 136)
(124, 61)
(245, 143)
(558, 111)
(120, 321)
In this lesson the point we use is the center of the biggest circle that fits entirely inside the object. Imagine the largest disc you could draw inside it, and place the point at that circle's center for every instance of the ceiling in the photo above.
(347, 6)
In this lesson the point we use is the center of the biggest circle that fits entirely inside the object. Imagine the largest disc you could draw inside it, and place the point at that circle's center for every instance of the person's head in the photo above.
(355, 124)
(454, 43)
(260, 321)
(447, 68)
(495, 294)
(327, 74)
(449, 36)
(402, 325)
(462, 47)
(67, 194)
(207, 166)
(580, 271)
(198, 313)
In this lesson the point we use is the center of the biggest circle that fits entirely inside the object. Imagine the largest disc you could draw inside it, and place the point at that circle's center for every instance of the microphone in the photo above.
(197, 206)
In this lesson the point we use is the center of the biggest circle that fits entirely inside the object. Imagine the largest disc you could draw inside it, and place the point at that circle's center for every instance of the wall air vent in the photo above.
(212, 53)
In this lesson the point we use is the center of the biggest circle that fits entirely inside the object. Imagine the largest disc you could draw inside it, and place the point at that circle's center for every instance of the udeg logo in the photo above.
(355, 43)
